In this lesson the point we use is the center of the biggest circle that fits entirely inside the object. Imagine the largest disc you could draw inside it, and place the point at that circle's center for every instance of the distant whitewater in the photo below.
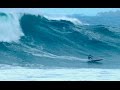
(40, 41)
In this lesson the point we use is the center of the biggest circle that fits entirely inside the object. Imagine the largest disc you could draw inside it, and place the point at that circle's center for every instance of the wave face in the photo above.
(38, 41)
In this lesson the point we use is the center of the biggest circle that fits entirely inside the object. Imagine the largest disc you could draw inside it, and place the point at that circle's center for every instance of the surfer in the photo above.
(90, 57)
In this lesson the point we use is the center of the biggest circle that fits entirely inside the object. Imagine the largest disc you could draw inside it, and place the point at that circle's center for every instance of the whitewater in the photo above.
(49, 48)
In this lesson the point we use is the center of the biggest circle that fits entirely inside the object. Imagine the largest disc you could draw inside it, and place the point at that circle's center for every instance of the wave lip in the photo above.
(58, 18)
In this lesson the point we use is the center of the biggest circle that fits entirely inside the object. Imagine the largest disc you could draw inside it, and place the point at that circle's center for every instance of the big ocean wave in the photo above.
(39, 40)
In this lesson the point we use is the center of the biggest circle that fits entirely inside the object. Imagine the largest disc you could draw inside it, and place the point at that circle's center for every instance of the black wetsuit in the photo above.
(90, 57)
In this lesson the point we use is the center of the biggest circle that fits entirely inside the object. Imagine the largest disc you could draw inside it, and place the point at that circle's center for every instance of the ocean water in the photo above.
(40, 47)
(63, 74)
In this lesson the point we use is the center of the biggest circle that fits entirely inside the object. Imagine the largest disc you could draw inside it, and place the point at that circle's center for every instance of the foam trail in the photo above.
(60, 57)
(10, 30)
(40, 53)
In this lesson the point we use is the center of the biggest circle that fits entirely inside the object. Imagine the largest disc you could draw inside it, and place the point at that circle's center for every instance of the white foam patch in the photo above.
(10, 30)
(64, 74)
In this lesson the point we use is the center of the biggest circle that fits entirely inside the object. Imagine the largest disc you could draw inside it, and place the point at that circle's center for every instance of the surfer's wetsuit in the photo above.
(90, 57)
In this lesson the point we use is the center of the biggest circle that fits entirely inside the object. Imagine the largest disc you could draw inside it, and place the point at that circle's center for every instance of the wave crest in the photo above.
(10, 30)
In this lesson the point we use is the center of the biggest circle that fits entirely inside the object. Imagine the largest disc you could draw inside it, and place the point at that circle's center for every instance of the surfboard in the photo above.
(95, 60)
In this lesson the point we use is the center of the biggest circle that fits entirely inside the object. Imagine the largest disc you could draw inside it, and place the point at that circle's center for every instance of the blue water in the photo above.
(38, 41)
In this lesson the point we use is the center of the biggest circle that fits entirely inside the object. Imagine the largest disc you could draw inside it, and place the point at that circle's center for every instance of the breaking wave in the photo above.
(53, 41)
